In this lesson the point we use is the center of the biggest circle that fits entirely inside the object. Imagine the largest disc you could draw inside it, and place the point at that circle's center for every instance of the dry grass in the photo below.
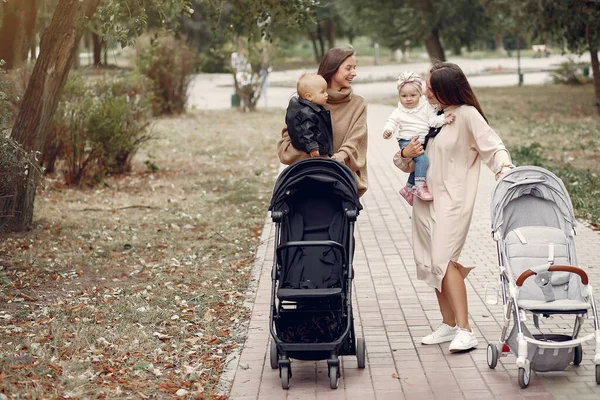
(562, 119)
(135, 289)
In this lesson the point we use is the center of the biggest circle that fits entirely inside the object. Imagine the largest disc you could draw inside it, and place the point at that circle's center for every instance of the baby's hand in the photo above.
(449, 118)
(315, 153)
(387, 133)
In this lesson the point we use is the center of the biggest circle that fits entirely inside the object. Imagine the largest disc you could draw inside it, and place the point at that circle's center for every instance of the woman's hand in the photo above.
(413, 149)
(503, 170)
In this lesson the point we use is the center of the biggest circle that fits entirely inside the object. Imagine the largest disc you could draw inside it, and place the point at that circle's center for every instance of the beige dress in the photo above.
(440, 226)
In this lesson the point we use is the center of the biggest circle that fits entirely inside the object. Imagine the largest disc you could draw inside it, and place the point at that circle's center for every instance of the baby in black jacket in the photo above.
(308, 122)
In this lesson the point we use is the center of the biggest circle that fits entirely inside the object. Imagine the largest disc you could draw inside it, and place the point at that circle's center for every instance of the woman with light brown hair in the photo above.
(440, 226)
(348, 117)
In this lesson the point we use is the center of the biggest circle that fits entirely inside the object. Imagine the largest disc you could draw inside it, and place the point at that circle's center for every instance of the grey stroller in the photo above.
(534, 227)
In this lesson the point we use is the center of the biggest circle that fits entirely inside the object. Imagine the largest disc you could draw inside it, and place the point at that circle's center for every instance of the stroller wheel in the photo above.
(524, 377)
(284, 372)
(577, 355)
(492, 355)
(361, 352)
(334, 376)
(274, 355)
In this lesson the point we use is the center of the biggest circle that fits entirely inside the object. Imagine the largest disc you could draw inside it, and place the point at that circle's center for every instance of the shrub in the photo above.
(16, 168)
(97, 128)
(4, 103)
(215, 60)
(570, 73)
(119, 122)
(169, 62)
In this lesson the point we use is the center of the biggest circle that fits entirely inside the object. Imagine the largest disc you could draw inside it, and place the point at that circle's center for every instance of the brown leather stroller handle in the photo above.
(566, 268)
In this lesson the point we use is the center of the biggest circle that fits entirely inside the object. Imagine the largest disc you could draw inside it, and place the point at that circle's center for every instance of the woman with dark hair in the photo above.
(348, 117)
(440, 226)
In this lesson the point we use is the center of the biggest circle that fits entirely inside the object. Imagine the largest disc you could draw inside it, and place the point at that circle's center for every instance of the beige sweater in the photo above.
(349, 123)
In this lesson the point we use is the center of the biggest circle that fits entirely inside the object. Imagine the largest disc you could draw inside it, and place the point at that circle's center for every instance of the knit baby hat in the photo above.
(412, 78)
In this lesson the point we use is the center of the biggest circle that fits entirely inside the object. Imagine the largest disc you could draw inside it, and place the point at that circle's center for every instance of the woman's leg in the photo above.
(448, 316)
(455, 293)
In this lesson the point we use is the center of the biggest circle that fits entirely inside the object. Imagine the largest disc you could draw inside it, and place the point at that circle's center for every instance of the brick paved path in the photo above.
(393, 310)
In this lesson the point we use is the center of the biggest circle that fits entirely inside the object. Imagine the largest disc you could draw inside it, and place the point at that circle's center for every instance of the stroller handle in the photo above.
(566, 268)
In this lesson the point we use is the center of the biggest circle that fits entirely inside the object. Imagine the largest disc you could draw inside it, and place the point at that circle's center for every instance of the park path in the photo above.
(213, 91)
(393, 310)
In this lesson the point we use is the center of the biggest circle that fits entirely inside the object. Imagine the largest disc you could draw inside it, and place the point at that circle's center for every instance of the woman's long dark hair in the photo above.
(450, 86)
(332, 60)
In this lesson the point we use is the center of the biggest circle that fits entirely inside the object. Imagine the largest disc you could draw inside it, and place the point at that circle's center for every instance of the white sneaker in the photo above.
(465, 340)
(443, 333)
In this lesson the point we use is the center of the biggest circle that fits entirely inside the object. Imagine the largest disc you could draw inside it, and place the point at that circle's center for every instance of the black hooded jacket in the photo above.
(309, 126)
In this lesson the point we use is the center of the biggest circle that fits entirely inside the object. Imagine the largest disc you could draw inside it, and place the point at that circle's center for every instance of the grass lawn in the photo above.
(553, 126)
(135, 289)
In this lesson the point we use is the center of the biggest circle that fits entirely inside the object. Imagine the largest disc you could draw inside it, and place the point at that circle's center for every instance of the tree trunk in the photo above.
(76, 59)
(97, 44)
(29, 14)
(313, 39)
(499, 43)
(330, 27)
(596, 72)
(57, 48)
(17, 31)
(321, 41)
(11, 32)
(434, 47)
(33, 49)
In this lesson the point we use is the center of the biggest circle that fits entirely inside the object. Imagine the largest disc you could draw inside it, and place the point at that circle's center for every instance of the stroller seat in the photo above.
(313, 260)
(537, 248)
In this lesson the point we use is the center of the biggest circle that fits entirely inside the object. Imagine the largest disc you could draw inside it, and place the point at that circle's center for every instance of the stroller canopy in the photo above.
(318, 172)
(531, 196)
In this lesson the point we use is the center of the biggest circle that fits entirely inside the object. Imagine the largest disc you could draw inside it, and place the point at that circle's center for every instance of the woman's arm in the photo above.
(287, 153)
(404, 158)
(489, 145)
(353, 151)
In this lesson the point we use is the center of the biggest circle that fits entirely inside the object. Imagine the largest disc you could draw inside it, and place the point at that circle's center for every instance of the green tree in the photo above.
(573, 22)
(327, 22)
(255, 39)
(122, 21)
(506, 19)
(455, 23)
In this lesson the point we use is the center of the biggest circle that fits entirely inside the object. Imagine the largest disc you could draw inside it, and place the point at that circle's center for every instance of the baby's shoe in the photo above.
(407, 194)
(422, 192)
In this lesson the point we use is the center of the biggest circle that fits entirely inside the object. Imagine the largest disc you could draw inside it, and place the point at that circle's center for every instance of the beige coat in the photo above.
(349, 124)
(440, 226)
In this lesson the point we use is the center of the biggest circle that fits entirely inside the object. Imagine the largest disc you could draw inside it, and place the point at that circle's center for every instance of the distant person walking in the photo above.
(440, 226)
(348, 117)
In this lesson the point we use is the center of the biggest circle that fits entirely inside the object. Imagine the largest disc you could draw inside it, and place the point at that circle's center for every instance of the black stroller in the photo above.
(314, 207)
